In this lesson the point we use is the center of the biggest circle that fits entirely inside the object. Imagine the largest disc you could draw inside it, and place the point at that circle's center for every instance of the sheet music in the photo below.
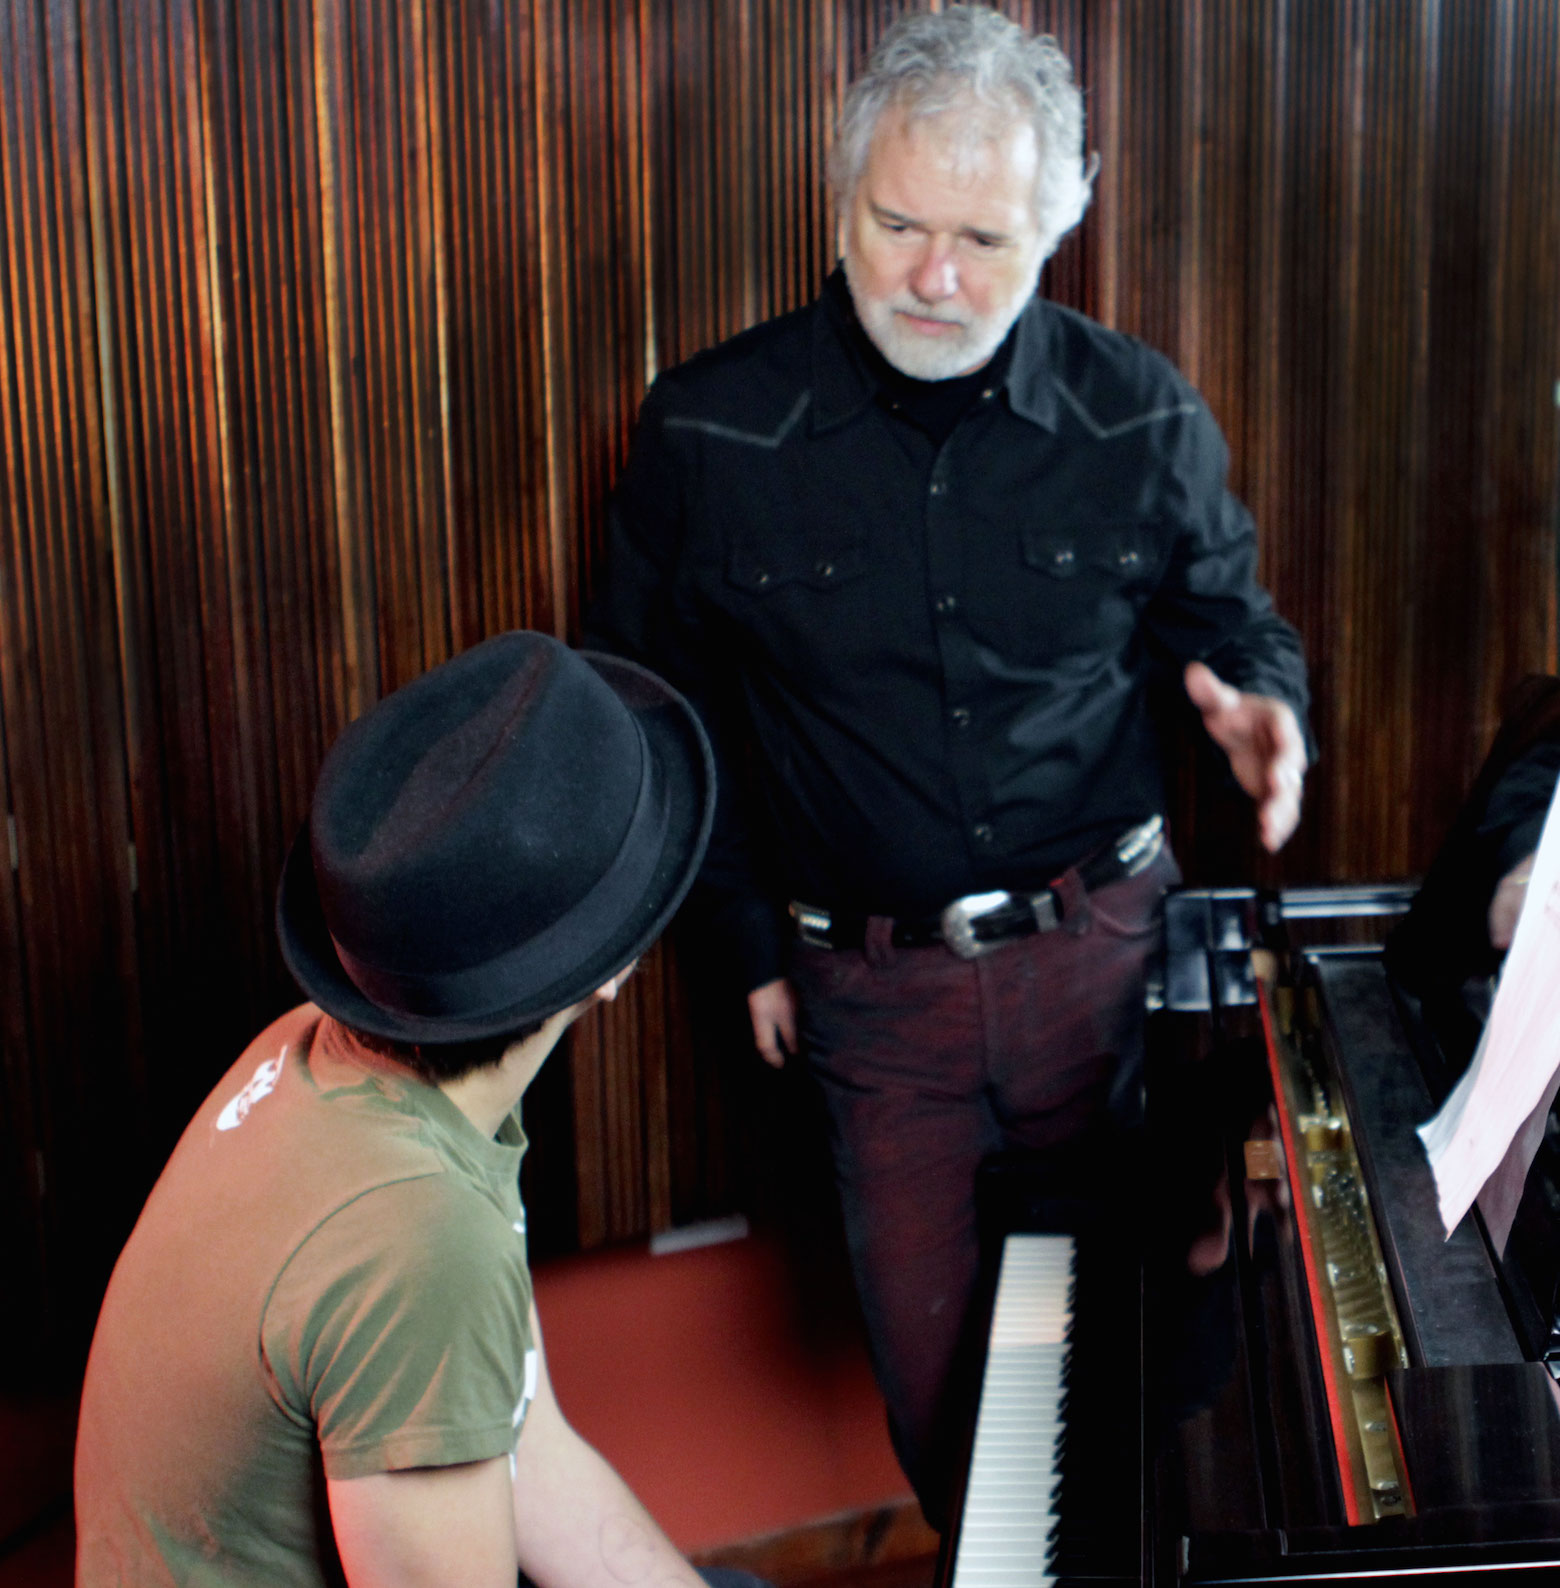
(1482, 1141)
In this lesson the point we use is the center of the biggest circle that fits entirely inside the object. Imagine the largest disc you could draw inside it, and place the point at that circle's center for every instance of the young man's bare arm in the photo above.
(567, 1518)
(577, 1524)
(427, 1527)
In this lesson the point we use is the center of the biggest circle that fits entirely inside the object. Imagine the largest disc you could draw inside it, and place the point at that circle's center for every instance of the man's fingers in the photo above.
(772, 1009)
(766, 1039)
(1289, 742)
(1280, 813)
(785, 1026)
(1506, 907)
(1286, 778)
(1279, 818)
(1207, 691)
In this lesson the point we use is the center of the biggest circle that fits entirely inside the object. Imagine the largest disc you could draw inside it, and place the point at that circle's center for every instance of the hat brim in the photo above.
(681, 752)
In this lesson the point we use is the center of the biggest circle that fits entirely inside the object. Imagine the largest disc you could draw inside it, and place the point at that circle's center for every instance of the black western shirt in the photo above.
(925, 664)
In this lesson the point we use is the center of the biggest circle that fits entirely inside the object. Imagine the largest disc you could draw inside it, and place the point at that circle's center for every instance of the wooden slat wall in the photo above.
(322, 329)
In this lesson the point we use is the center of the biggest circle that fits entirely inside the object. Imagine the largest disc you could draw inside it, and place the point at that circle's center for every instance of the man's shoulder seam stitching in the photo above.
(1109, 432)
(711, 427)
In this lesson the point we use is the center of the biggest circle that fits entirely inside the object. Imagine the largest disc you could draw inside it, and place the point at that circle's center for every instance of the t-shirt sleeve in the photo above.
(401, 1329)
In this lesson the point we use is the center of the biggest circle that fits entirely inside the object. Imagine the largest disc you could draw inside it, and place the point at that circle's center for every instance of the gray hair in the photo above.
(936, 61)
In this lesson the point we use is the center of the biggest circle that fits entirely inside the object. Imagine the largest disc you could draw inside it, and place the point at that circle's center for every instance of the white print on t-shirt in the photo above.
(533, 1366)
(261, 1084)
(528, 1394)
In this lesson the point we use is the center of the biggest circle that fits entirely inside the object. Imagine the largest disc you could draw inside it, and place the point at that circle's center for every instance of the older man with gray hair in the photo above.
(917, 552)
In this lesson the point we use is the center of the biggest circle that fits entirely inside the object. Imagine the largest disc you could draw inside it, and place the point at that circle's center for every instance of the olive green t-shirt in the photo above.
(329, 1278)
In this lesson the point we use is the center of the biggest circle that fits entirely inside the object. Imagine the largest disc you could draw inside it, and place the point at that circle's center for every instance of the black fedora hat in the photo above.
(494, 841)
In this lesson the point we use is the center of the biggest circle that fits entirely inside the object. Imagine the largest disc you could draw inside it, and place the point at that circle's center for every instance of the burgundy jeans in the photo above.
(929, 1064)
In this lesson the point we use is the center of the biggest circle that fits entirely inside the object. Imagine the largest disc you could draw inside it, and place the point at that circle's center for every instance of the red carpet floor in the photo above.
(701, 1378)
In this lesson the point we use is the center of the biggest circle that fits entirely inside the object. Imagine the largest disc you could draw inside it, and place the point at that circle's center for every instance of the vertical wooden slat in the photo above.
(358, 595)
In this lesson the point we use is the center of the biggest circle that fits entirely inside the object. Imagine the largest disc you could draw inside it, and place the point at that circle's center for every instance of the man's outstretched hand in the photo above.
(1263, 741)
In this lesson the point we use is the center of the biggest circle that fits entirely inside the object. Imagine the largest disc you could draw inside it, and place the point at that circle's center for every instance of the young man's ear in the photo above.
(607, 991)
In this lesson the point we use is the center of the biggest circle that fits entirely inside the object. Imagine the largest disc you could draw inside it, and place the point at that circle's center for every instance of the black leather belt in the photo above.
(980, 922)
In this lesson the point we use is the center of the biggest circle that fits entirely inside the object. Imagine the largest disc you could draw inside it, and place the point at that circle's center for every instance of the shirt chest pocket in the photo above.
(802, 601)
(1092, 579)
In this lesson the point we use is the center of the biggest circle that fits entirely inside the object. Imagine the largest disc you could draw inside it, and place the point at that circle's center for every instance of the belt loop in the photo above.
(1073, 896)
(878, 942)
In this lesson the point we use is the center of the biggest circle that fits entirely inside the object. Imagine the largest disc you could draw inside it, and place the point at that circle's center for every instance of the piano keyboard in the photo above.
(1009, 1522)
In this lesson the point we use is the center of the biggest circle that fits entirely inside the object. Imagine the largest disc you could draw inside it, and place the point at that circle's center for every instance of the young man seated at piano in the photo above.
(318, 1358)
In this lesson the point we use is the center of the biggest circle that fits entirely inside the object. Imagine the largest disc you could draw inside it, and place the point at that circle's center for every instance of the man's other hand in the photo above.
(772, 1009)
(1263, 741)
(1506, 906)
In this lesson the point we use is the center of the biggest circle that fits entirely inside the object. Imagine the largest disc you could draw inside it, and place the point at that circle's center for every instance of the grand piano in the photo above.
(1236, 1347)
(1246, 1353)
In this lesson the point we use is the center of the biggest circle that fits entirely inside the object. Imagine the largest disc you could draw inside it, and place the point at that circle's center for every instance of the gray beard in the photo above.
(942, 358)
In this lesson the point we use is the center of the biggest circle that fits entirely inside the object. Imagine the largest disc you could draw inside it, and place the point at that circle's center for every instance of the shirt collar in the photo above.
(1031, 385)
(843, 384)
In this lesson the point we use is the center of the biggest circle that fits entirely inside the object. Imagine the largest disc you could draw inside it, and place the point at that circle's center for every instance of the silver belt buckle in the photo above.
(958, 923)
(812, 924)
(1137, 848)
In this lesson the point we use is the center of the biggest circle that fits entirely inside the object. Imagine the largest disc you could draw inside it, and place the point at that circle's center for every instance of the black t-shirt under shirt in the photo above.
(933, 406)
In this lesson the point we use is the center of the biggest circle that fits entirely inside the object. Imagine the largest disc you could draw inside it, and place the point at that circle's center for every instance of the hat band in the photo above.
(556, 952)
